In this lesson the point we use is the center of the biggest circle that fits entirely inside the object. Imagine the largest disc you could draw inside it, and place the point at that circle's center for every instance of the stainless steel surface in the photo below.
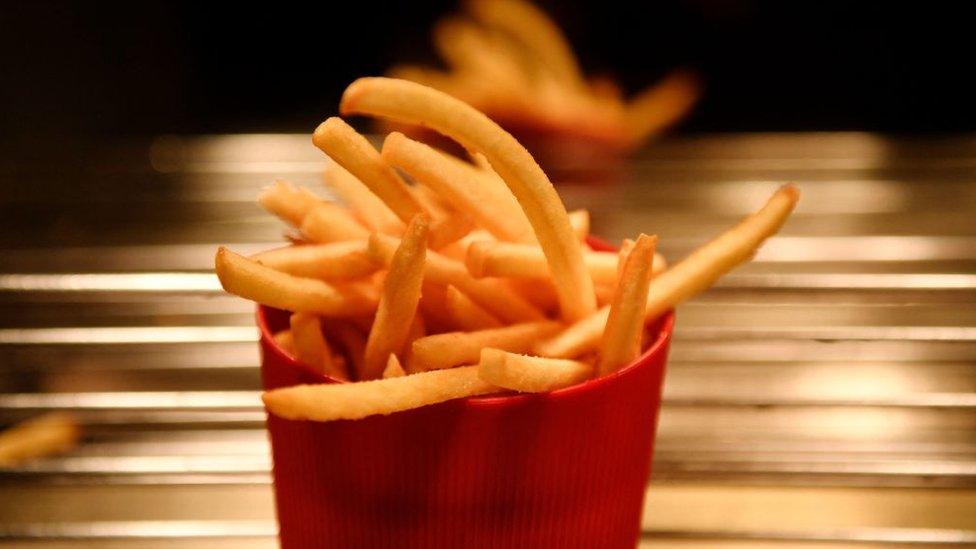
(840, 366)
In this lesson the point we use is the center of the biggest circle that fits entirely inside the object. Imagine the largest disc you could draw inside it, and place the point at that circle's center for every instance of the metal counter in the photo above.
(824, 394)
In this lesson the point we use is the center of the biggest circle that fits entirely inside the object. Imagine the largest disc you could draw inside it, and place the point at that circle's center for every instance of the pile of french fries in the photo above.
(441, 277)
(508, 59)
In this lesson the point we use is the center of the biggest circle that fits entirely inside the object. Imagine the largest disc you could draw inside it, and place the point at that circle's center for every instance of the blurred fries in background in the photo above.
(510, 60)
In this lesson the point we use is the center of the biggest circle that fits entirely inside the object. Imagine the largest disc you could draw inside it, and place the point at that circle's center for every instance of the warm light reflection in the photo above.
(866, 248)
(128, 335)
(135, 282)
(244, 153)
(861, 196)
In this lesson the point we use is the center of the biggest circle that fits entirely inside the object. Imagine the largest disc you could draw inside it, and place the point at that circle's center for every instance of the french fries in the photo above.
(329, 222)
(504, 259)
(288, 202)
(401, 294)
(692, 275)
(312, 349)
(337, 261)
(285, 340)
(369, 209)
(626, 246)
(377, 397)
(508, 59)
(530, 374)
(353, 342)
(48, 434)
(661, 105)
(447, 350)
(393, 368)
(493, 295)
(408, 102)
(467, 188)
(625, 323)
(251, 280)
(533, 30)
(415, 293)
(466, 314)
(580, 221)
(353, 152)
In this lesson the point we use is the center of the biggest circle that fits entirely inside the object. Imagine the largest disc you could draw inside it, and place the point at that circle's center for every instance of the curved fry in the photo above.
(409, 102)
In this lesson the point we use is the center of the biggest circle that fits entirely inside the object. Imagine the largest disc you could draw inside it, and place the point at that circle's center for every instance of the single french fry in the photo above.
(580, 220)
(393, 368)
(352, 151)
(401, 294)
(288, 202)
(448, 229)
(692, 275)
(285, 340)
(622, 335)
(459, 250)
(661, 105)
(532, 28)
(251, 280)
(336, 261)
(447, 350)
(418, 329)
(626, 246)
(409, 102)
(494, 295)
(433, 307)
(330, 222)
(369, 209)
(41, 436)
(327, 402)
(604, 293)
(353, 343)
(530, 374)
(467, 188)
(466, 314)
(505, 259)
(540, 293)
(429, 199)
(312, 348)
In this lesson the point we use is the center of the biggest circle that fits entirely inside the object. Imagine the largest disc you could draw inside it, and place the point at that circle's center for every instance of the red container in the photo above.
(561, 469)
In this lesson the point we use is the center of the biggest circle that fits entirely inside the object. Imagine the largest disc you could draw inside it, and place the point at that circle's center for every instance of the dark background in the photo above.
(101, 68)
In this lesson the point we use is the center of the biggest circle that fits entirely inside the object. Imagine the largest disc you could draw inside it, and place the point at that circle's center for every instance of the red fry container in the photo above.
(562, 469)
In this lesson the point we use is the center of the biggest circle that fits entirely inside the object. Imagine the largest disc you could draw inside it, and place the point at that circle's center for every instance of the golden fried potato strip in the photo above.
(336, 261)
(328, 402)
(401, 294)
(311, 347)
(251, 280)
(369, 209)
(464, 186)
(621, 343)
(440, 351)
(288, 202)
(530, 374)
(466, 314)
(48, 434)
(494, 295)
